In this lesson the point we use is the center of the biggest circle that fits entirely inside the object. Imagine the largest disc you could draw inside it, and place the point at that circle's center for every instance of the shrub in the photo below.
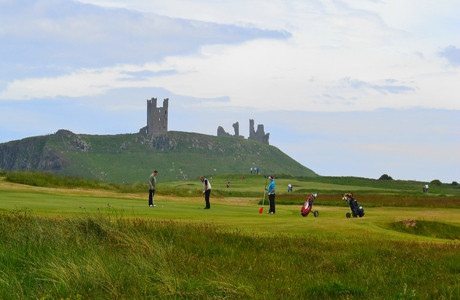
(454, 183)
(385, 177)
(436, 182)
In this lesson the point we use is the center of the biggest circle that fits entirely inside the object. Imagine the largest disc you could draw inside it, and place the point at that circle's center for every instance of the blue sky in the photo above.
(347, 88)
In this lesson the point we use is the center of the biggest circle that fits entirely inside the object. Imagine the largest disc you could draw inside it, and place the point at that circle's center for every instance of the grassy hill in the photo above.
(128, 158)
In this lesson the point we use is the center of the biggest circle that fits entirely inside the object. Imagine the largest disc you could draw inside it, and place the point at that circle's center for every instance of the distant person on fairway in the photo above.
(206, 191)
(271, 195)
(152, 186)
(289, 188)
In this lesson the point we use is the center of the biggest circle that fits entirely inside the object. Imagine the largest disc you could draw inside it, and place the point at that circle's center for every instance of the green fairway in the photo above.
(229, 213)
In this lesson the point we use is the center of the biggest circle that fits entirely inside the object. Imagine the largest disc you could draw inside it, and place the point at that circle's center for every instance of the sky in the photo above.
(346, 88)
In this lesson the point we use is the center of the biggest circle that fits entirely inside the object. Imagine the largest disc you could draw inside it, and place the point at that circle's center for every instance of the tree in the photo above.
(436, 182)
(385, 177)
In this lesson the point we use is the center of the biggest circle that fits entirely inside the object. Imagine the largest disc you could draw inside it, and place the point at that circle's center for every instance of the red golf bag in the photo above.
(308, 205)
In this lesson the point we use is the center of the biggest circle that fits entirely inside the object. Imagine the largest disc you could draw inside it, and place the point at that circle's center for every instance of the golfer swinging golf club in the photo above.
(271, 195)
(206, 191)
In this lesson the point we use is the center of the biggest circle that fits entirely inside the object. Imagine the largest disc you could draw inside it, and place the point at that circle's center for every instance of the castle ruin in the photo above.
(236, 128)
(157, 118)
(258, 135)
(157, 124)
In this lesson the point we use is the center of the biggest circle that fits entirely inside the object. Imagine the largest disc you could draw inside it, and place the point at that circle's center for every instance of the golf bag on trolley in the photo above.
(308, 205)
(356, 209)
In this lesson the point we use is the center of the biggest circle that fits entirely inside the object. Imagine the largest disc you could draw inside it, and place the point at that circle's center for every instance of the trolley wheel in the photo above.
(316, 213)
(348, 215)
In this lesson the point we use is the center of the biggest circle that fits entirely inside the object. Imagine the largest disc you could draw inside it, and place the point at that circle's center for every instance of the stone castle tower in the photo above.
(157, 118)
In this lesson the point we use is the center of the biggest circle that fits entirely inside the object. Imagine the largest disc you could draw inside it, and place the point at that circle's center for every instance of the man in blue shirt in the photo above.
(271, 195)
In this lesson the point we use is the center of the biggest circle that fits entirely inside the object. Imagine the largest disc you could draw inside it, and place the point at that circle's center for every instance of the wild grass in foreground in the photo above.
(110, 257)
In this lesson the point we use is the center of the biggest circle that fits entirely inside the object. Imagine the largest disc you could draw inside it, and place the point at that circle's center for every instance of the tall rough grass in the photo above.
(106, 256)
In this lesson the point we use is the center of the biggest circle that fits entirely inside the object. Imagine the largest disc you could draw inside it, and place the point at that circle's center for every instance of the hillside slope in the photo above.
(132, 157)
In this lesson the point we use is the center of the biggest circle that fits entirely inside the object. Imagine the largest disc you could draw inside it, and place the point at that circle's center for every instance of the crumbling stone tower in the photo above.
(236, 127)
(157, 118)
(258, 135)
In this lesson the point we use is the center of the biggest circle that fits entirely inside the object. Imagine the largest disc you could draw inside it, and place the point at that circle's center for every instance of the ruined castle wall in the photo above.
(258, 135)
(236, 127)
(222, 132)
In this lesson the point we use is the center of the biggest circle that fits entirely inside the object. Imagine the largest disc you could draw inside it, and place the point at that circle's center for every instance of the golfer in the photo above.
(152, 186)
(206, 191)
(271, 195)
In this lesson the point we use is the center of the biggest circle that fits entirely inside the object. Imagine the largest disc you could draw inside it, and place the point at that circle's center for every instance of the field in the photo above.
(103, 242)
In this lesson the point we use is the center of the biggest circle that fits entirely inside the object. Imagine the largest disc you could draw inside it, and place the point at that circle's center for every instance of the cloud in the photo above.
(390, 86)
(61, 35)
(419, 54)
(316, 73)
(452, 54)
(145, 74)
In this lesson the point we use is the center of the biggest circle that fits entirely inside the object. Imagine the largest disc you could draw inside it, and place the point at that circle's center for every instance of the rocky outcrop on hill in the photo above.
(161, 142)
(34, 153)
(73, 140)
(29, 154)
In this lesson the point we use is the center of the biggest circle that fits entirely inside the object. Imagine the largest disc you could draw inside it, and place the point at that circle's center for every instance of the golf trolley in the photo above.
(356, 209)
(307, 206)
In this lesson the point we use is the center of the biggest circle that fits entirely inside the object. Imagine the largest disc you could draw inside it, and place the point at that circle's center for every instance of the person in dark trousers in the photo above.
(152, 186)
(271, 195)
(206, 191)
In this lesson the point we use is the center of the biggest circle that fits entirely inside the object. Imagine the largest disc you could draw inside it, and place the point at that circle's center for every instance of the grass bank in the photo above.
(105, 256)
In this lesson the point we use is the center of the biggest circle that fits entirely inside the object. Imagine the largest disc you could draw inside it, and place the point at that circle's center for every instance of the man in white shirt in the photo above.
(206, 191)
